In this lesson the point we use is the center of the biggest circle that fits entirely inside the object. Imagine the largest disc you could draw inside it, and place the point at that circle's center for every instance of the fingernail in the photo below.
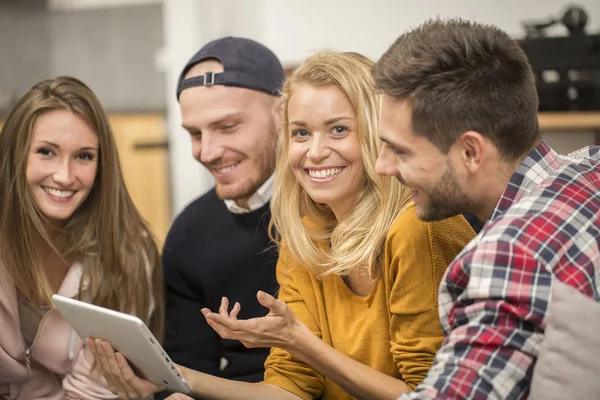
(205, 311)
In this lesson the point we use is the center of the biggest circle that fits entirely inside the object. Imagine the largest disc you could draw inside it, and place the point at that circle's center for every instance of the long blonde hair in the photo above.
(310, 231)
(106, 233)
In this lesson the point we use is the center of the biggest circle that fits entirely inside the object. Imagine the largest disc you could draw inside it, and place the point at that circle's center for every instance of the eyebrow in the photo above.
(214, 124)
(384, 140)
(327, 122)
(87, 148)
(394, 145)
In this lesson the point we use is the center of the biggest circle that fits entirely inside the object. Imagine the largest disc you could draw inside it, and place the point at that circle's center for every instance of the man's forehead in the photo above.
(218, 96)
(398, 105)
(397, 133)
(203, 106)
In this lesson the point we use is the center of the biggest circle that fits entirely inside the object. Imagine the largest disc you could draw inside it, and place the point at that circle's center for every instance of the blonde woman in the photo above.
(357, 310)
(67, 226)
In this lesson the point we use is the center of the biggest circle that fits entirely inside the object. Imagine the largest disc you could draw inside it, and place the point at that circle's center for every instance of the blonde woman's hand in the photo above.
(276, 329)
(121, 379)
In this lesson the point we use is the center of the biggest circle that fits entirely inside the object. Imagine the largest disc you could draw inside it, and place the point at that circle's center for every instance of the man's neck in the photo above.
(495, 187)
(243, 202)
(490, 191)
(490, 200)
(253, 201)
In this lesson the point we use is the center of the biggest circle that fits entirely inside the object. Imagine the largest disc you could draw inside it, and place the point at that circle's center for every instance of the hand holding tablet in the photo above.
(120, 377)
(129, 336)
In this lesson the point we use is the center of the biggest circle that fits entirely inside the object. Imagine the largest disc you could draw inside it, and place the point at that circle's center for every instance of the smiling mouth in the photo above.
(324, 174)
(61, 194)
(224, 170)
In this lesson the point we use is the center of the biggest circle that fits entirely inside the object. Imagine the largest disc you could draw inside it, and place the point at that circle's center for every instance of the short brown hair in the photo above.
(458, 76)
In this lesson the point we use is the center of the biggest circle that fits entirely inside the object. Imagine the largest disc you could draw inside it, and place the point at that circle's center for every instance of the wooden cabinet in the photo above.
(569, 121)
(141, 143)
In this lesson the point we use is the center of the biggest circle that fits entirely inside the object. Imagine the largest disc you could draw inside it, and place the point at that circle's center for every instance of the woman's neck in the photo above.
(54, 264)
(360, 283)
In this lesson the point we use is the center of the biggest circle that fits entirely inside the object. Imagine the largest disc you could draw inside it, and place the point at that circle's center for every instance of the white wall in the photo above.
(295, 28)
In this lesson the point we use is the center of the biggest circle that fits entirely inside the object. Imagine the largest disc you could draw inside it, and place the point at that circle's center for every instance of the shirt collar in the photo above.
(536, 167)
(256, 201)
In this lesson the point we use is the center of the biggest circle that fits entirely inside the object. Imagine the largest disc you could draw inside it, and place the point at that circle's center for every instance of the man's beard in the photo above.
(446, 199)
(248, 185)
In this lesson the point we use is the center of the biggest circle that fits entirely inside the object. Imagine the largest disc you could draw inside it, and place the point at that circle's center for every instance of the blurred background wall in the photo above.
(130, 52)
(110, 48)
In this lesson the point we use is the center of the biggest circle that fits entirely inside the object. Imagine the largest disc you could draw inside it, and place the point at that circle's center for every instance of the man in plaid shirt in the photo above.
(459, 126)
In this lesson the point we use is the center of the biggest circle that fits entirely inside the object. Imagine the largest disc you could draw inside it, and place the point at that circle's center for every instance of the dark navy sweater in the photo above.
(210, 253)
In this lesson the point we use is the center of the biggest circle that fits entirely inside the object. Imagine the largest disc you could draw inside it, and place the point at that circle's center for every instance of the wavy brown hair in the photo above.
(106, 234)
(357, 242)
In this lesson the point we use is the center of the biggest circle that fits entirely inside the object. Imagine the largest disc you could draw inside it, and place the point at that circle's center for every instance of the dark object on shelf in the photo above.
(567, 68)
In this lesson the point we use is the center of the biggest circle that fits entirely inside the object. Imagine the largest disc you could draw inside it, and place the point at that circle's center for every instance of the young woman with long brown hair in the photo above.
(67, 226)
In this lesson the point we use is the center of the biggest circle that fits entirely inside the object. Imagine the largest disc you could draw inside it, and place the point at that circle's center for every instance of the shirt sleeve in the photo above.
(495, 317)
(281, 369)
(414, 268)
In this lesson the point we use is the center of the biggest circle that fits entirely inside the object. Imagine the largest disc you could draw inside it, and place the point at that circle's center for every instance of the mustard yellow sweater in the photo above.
(395, 329)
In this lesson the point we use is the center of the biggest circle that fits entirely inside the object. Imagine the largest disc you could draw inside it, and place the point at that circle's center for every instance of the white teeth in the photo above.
(324, 173)
(226, 169)
(59, 193)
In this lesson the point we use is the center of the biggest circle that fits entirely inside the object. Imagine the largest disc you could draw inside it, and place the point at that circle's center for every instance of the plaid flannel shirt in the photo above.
(495, 295)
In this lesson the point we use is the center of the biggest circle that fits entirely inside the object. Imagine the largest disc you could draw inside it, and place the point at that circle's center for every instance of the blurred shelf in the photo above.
(549, 120)
(569, 121)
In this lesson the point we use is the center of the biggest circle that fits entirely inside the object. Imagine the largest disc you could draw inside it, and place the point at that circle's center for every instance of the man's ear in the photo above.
(277, 111)
(472, 150)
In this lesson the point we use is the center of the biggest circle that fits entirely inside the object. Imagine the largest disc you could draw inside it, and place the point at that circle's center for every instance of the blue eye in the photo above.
(340, 130)
(299, 133)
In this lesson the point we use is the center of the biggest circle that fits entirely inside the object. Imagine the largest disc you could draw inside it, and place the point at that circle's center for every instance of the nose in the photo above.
(318, 149)
(383, 165)
(64, 174)
(208, 149)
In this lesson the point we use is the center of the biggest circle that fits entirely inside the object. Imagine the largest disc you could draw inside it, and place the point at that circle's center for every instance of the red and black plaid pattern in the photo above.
(494, 297)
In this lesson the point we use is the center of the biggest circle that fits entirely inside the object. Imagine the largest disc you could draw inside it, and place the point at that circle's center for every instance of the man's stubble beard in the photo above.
(249, 186)
(446, 199)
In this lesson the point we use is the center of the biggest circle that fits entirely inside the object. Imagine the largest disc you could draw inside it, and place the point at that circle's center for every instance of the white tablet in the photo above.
(128, 335)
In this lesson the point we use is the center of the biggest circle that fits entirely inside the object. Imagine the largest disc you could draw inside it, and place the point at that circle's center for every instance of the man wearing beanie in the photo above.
(219, 245)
